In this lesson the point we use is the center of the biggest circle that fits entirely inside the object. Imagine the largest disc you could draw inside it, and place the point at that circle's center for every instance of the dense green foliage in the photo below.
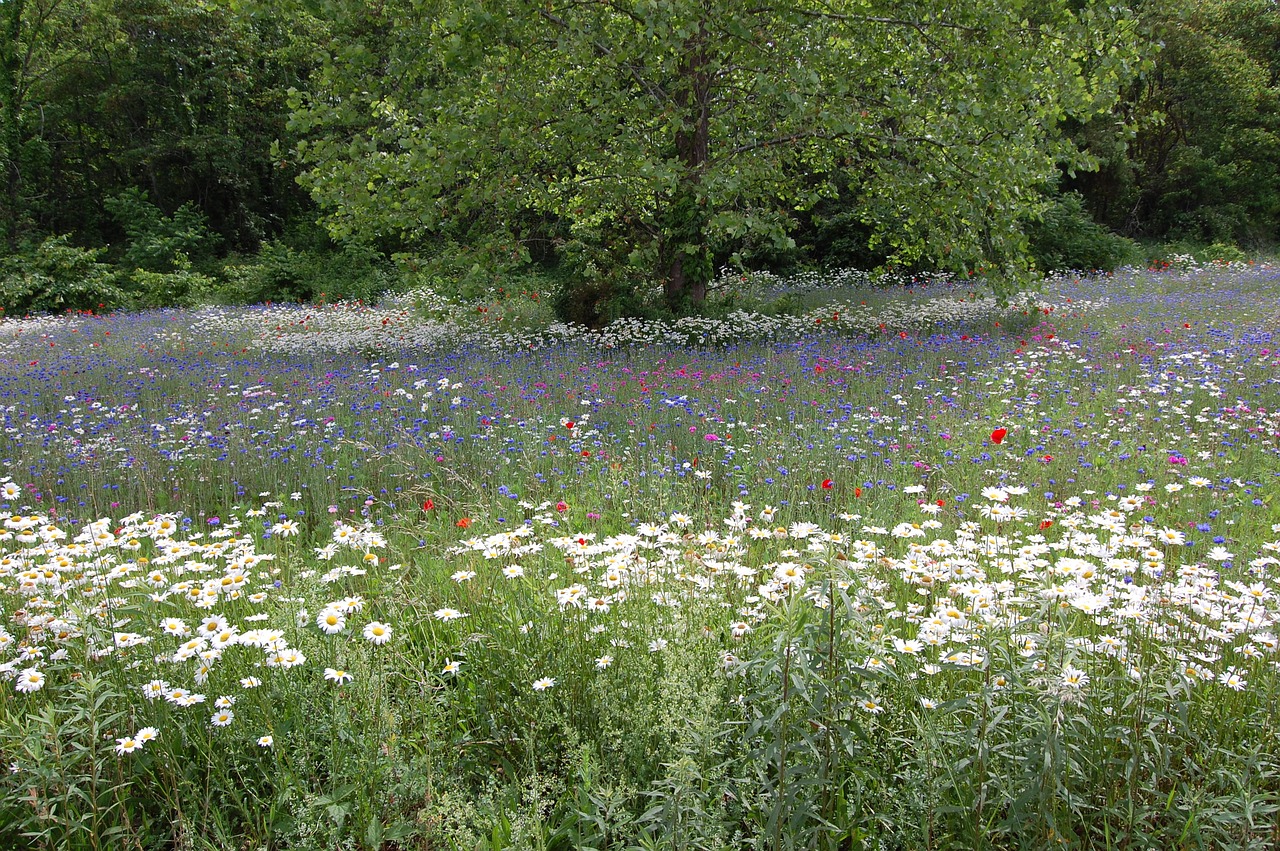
(179, 100)
(628, 149)
(652, 135)
(1193, 150)
(992, 578)
(1066, 238)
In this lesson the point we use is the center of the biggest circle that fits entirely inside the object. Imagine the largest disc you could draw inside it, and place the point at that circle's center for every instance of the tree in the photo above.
(1204, 160)
(11, 89)
(185, 101)
(37, 37)
(653, 132)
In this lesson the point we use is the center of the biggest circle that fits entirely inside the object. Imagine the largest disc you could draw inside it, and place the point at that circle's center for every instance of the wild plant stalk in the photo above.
(637, 504)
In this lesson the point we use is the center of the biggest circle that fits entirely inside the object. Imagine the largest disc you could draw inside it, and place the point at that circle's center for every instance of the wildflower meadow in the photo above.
(906, 568)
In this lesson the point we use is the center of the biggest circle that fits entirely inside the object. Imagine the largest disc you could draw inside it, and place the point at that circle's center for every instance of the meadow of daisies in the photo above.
(912, 569)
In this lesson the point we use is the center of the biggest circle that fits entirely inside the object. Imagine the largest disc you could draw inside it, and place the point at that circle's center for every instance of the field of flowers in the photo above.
(910, 570)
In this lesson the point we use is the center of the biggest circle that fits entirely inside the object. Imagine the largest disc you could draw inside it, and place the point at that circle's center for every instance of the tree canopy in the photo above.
(1203, 160)
(179, 99)
(624, 147)
(647, 134)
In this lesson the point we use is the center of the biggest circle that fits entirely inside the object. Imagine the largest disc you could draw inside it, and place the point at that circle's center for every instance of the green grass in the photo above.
(788, 594)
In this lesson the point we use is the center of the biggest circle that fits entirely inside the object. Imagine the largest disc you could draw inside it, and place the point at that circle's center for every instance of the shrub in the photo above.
(280, 272)
(585, 303)
(1185, 253)
(157, 263)
(160, 243)
(56, 276)
(179, 288)
(1067, 238)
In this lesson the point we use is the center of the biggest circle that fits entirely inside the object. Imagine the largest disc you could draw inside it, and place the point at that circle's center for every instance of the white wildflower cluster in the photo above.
(1019, 576)
(424, 321)
(78, 589)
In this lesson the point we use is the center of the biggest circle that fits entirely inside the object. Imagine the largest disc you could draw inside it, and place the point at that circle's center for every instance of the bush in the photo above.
(160, 243)
(835, 235)
(594, 299)
(1225, 252)
(1184, 253)
(179, 288)
(157, 263)
(585, 303)
(1067, 238)
(282, 273)
(56, 276)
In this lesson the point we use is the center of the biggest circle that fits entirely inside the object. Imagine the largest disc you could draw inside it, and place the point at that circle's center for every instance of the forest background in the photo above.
(173, 152)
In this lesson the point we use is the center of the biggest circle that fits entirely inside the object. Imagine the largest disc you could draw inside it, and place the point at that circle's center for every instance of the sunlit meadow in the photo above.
(910, 569)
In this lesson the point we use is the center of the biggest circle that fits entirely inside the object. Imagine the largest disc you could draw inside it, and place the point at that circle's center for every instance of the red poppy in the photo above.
(857, 492)
(562, 506)
(569, 425)
(1045, 524)
(942, 503)
(998, 435)
(464, 523)
(826, 484)
(428, 505)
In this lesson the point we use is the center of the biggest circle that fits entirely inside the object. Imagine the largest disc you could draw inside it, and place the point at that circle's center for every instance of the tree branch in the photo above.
(653, 89)
(834, 137)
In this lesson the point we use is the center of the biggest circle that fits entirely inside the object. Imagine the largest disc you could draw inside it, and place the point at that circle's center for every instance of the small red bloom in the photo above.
(942, 503)
(826, 484)
(569, 425)
(1045, 524)
(562, 506)
(857, 492)
(428, 505)
(999, 435)
(464, 523)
